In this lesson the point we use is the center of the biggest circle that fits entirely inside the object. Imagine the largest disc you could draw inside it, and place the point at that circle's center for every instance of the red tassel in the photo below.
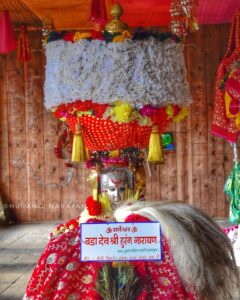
(24, 51)
(7, 38)
(98, 12)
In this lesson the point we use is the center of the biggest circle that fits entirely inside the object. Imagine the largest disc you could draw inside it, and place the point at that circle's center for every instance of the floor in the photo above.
(20, 247)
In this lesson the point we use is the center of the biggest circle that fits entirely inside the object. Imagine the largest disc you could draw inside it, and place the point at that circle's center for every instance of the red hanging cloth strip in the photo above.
(24, 51)
(7, 38)
(98, 12)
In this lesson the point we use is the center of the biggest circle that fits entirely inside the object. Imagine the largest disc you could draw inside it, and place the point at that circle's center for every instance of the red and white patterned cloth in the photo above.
(60, 275)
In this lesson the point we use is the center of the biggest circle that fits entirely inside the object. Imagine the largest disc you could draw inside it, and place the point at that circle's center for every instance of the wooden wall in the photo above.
(32, 178)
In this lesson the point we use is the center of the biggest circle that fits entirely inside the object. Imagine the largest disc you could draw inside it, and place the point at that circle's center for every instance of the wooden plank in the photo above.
(168, 173)
(73, 196)
(181, 158)
(198, 86)
(188, 193)
(199, 120)
(4, 149)
(215, 145)
(155, 182)
(148, 192)
(18, 195)
(51, 163)
(34, 129)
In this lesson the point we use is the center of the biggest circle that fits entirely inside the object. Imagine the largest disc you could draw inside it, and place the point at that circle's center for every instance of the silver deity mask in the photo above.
(116, 182)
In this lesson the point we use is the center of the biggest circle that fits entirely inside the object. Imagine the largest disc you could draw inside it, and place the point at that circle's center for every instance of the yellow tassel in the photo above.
(93, 180)
(104, 200)
(114, 153)
(136, 195)
(78, 149)
(155, 154)
(128, 194)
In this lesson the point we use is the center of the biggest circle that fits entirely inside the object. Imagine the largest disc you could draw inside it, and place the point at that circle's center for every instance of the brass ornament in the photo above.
(116, 25)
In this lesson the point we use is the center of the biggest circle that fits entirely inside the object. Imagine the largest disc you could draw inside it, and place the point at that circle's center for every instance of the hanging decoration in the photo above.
(47, 27)
(232, 190)
(226, 115)
(115, 126)
(167, 141)
(183, 17)
(24, 51)
(79, 152)
(155, 151)
(7, 38)
(98, 12)
(131, 86)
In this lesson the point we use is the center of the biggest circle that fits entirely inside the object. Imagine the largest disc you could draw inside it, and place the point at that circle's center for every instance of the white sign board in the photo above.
(120, 241)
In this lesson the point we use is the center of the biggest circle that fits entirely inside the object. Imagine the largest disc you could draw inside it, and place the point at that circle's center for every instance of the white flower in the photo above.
(149, 72)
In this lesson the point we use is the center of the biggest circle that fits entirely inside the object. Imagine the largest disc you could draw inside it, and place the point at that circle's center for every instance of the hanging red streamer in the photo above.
(98, 12)
(24, 51)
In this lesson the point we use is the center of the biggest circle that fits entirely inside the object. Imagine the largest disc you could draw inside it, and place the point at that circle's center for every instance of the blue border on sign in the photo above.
(120, 260)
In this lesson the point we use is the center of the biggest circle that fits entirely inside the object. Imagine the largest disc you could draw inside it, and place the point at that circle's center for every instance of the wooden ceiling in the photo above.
(74, 14)
(19, 12)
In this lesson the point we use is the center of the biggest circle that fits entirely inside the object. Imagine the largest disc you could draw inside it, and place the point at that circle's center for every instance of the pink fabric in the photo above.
(7, 38)
(156, 13)
(217, 11)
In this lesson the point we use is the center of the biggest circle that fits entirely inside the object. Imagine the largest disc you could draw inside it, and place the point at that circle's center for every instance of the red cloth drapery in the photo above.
(222, 125)
(217, 11)
(7, 38)
(145, 13)
(60, 275)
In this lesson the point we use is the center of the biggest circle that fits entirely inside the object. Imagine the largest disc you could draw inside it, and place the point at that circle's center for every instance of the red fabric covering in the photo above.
(60, 275)
(145, 13)
(222, 125)
(100, 134)
(217, 11)
(156, 13)
(98, 12)
(7, 38)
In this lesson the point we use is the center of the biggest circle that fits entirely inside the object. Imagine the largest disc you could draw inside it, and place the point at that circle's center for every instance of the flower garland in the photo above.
(115, 126)
(183, 17)
(64, 142)
(122, 112)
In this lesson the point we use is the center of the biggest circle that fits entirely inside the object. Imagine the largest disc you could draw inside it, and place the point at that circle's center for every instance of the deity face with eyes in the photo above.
(116, 182)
